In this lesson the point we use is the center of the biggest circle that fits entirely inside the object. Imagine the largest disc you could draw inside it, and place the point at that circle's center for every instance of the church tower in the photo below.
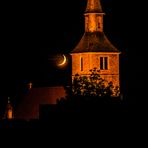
(94, 49)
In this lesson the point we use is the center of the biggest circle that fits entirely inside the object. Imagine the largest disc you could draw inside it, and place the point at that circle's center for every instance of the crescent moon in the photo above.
(64, 60)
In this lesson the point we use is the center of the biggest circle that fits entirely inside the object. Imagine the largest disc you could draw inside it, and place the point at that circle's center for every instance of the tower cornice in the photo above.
(99, 13)
(99, 53)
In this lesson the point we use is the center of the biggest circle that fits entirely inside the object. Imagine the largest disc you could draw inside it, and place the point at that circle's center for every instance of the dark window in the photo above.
(81, 64)
(99, 25)
(103, 63)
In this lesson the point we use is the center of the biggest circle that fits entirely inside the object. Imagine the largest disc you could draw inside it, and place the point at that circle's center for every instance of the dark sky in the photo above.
(33, 31)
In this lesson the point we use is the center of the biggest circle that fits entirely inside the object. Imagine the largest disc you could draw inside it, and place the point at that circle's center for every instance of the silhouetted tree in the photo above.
(89, 87)
(93, 85)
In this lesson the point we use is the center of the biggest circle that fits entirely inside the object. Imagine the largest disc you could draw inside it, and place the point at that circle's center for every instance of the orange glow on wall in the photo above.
(92, 60)
(29, 106)
(30, 85)
(9, 110)
(9, 114)
(93, 22)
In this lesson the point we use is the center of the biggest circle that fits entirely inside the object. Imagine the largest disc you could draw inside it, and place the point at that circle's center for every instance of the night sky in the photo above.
(32, 33)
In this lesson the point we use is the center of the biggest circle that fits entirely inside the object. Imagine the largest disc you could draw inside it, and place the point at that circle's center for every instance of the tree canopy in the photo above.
(93, 85)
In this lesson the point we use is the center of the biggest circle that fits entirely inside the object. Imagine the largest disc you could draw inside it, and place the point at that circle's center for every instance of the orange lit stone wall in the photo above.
(92, 60)
(93, 22)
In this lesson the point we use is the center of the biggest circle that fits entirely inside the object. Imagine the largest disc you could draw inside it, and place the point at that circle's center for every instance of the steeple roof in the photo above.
(94, 42)
(93, 6)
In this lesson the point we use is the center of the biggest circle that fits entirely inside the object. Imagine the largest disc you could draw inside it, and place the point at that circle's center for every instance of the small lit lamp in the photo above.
(9, 110)
(30, 85)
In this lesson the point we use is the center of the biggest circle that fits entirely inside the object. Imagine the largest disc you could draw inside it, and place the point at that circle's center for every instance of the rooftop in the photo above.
(94, 42)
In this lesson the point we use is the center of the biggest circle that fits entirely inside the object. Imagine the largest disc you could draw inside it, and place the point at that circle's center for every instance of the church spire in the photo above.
(93, 6)
(94, 39)
(93, 16)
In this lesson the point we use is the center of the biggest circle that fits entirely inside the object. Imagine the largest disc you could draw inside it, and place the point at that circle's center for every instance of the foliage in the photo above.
(93, 85)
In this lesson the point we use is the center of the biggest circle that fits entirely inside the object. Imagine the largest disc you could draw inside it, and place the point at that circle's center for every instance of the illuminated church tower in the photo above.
(94, 49)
